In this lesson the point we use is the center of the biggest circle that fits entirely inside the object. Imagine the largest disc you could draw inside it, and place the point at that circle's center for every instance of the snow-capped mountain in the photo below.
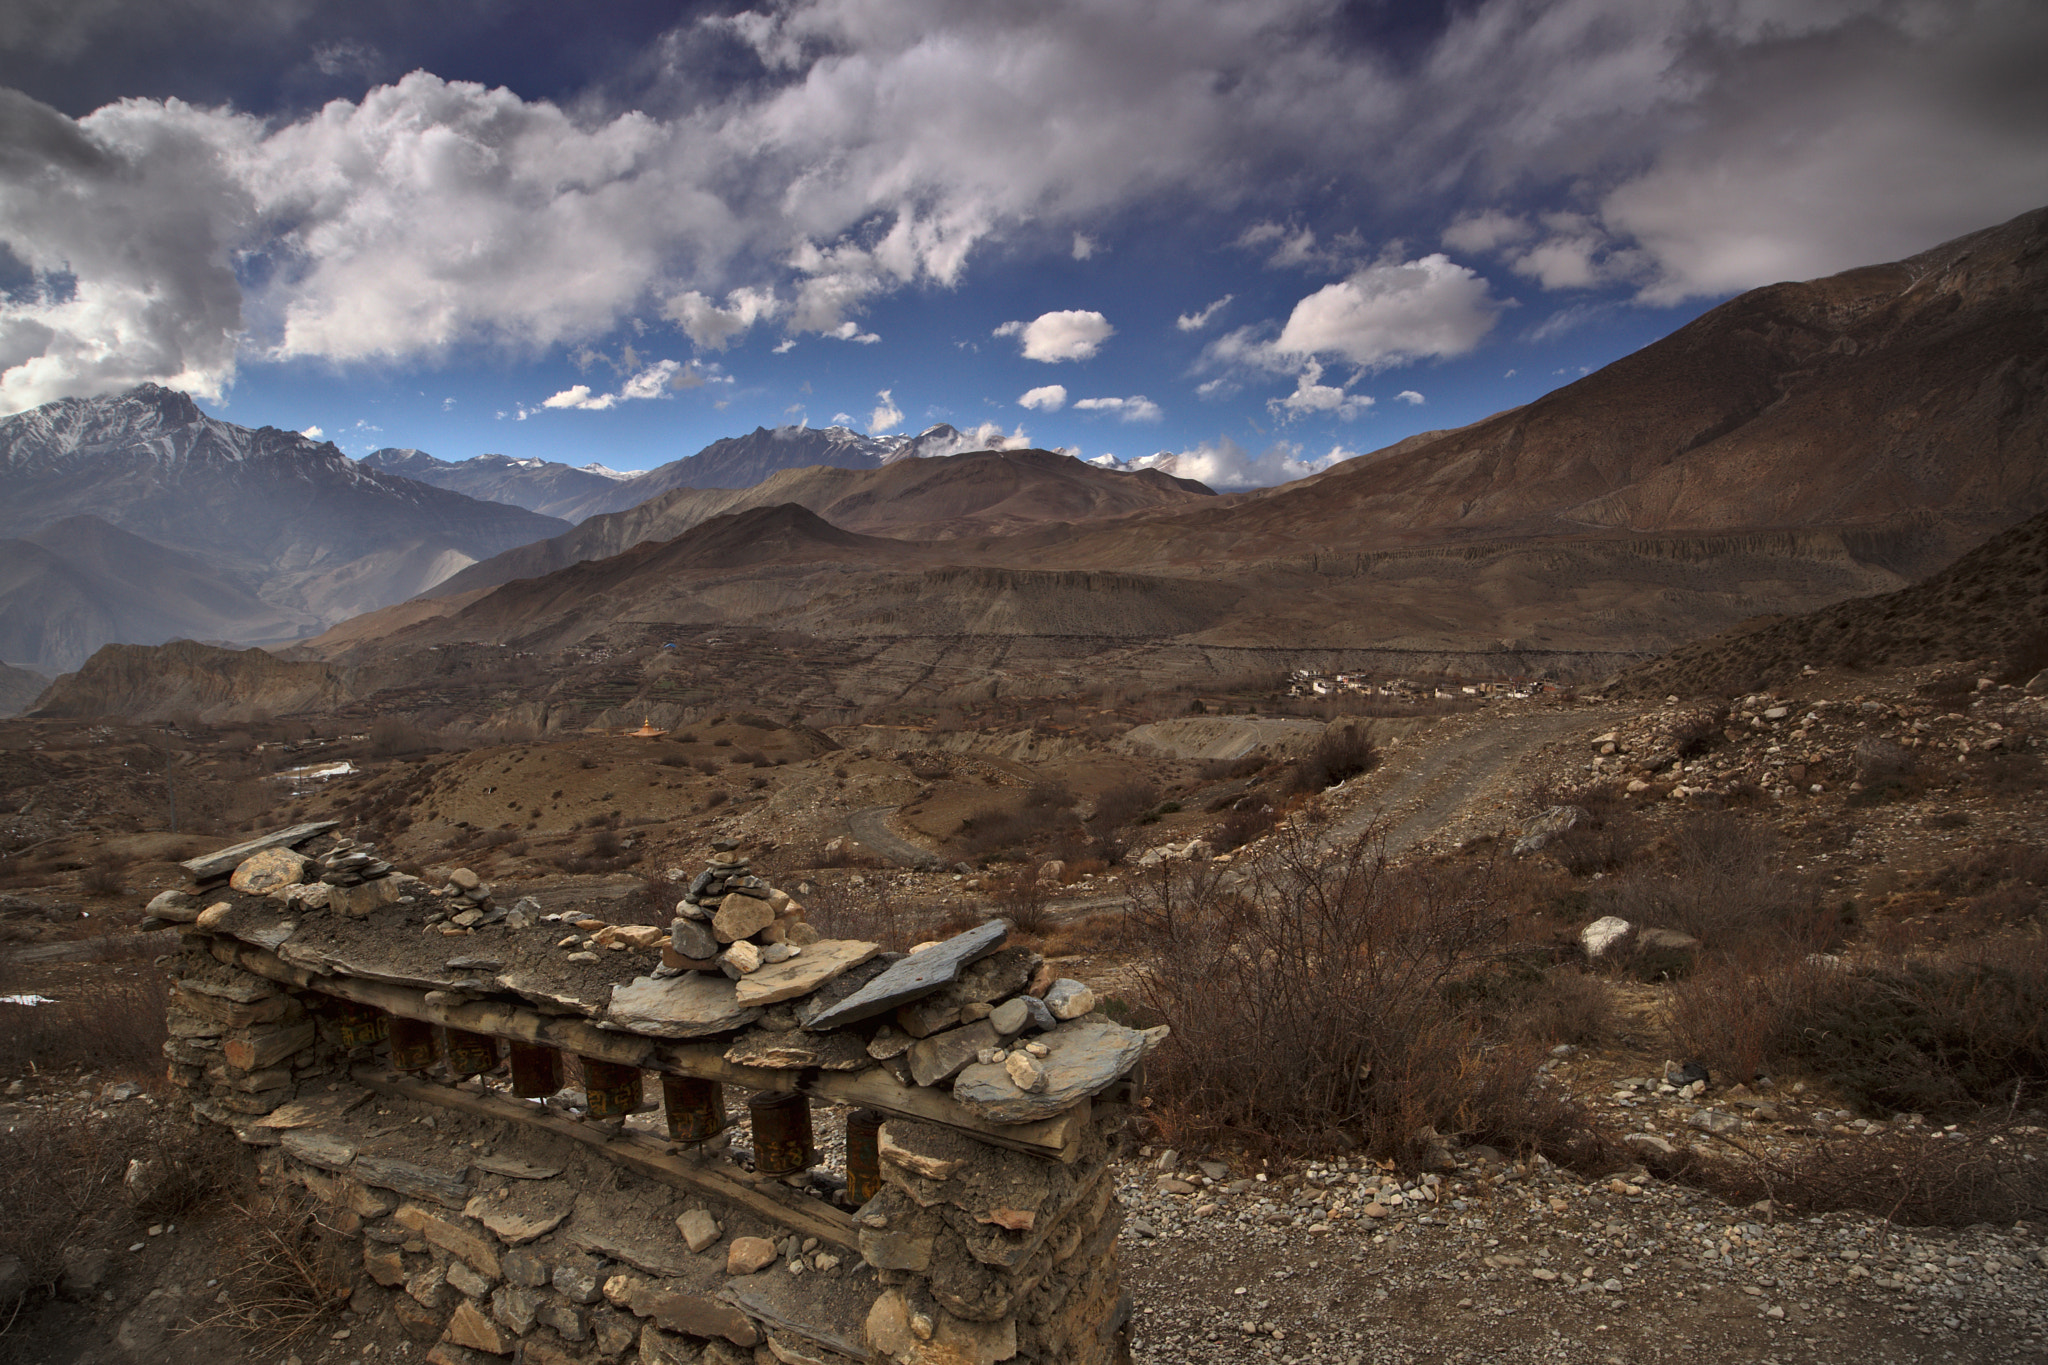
(292, 520)
(543, 486)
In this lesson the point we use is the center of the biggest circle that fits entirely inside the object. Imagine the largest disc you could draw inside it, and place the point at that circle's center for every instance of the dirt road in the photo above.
(1466, 776)
(871, 828)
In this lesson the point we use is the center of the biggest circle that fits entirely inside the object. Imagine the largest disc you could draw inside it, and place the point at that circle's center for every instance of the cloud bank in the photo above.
(1675, 150)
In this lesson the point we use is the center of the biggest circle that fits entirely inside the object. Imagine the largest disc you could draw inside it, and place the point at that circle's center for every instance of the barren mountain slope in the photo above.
(1990, 604)
(1909, 400)
(986, 493)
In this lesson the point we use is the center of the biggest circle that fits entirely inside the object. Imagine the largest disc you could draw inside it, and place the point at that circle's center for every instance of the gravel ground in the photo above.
(1505, 1261)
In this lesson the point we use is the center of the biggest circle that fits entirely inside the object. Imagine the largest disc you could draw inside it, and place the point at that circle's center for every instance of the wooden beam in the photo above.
(799, 1213)
(1057, 1138)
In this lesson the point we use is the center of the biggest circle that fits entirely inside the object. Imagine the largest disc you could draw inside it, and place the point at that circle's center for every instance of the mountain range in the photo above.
(1796, 446)
(731, 463)
(200, 526)
(1799, 445)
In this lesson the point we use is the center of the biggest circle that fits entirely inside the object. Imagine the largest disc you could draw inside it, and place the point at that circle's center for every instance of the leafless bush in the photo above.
(1122, 804)
(293, 1276)
(1245, 822)
(103, 876)
(392, 737)
(1023, 899)
(1721, 886)
(867, 912)
(1339, 755)
(112, 1024)
(1924, 1033)
(1316, 1007)
(62, 1182)
(1917, 1176)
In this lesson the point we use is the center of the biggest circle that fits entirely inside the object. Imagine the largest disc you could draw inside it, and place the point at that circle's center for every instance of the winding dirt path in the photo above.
(1463, 777)
(871, 828)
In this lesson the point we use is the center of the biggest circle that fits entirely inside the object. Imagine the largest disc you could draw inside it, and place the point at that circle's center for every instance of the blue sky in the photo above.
(1258, 235)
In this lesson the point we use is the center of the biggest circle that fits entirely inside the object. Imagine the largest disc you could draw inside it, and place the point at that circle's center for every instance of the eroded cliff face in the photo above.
(152, 682)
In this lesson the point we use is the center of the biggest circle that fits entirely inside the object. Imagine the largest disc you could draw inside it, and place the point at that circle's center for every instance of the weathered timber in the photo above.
(811, 1217)
(213, 866)
(1056, 1138)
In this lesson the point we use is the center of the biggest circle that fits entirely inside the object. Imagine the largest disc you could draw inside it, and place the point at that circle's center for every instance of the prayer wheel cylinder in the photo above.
(412, 1044)
(614, 1090)
(469, 1054)
(863, 1155)
(536, 1070)
(695, 1108)
(782, 1133)
(358, 1025)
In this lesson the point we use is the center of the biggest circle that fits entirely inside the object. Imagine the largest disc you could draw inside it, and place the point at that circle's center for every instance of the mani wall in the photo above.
(559, 1139)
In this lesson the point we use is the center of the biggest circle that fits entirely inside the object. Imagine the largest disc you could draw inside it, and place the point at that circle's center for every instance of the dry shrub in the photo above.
(1566, 1006)
(1122, 804)
(1947, 1034)
(1242, 825)
(1341, 754)
(1917, 1176)
(997, 831)
(62, 1182)
(103, 876)
(1023, 900)
(1721, 886)
(865, 912)
(1315, 1009)
(292, 1278)
(112, 1024)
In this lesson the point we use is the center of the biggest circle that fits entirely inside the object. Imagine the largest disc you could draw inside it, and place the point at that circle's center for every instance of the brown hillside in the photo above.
(1990, 604)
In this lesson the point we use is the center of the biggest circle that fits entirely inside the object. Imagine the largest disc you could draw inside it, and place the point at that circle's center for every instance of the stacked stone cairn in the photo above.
(980, 1226)
(732, 921)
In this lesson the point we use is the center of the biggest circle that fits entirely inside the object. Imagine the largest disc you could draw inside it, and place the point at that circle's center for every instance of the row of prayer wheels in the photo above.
(694, 1107)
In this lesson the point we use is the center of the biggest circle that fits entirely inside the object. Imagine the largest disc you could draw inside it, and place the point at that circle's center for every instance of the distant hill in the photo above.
(541, 486)
(267, 514)
(930, 498)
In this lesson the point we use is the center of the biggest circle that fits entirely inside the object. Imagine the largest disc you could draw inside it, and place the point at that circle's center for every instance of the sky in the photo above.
(1260, 235)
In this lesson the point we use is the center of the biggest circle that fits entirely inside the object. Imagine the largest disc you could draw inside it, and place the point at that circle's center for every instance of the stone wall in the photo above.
(497, 1225)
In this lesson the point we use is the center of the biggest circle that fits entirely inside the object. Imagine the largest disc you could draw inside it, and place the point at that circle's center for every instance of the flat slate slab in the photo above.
(693, 1005)
(1082, 1058)
(805, 972)
(208, 866)
(915, 976)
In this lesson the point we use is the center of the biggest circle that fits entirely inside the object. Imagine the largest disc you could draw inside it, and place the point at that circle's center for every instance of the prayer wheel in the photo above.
(469, 1054)
(782, 1133)
(358, 1025)
(614, 1090)
(863, 1155)
(695, 1108)
(536, 1070)
(412, 1044)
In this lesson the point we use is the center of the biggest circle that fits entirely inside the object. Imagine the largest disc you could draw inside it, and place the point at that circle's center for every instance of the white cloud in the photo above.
(1727, 142)
(313, 433)
(1410, 397)
(711, 326)
(1486, 231)
(784, 346)
(1136, 408)
(1071, 334)
(1390, 314)
(1196, 321)
(652, 382)
(986, 436)
(1084, 246)
(1312, 397)
(1224, 463)
(448, 404)
(1044, 398)
(850, 331)
(886, 417)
